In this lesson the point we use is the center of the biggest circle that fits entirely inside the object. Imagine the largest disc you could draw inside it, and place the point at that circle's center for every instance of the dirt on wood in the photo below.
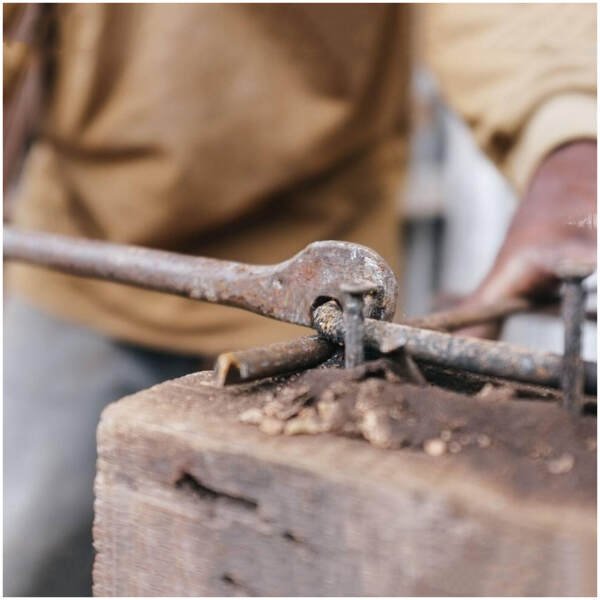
(518, 436)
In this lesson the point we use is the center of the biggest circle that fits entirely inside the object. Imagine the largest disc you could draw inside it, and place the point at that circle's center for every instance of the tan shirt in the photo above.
(246, 131)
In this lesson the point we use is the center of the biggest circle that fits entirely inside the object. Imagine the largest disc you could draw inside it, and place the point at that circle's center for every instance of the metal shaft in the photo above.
(141, 267)
(457, 318)
(573, 312)
(354, 332)
(354, 322)
(309, 351)
(484, 357)
(285, 291)
(275, 359)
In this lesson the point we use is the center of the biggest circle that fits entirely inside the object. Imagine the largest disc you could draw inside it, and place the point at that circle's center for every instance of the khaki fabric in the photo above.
(14, 51)
(522, 76)
(246, 131)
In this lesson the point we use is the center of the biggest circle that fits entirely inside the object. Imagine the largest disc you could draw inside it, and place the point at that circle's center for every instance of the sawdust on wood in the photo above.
(532, 444)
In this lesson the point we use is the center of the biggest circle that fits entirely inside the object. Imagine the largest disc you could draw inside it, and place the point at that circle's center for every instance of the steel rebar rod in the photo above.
(275, 359)
(498, 359)
(457, 318)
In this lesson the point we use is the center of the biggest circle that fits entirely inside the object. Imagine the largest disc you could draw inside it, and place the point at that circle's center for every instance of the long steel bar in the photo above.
(140, 267)
(457, 318)
(309, 351)
(276, 359)
(497, 359)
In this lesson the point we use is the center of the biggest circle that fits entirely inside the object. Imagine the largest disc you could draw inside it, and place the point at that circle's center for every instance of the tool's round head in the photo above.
(323, 270)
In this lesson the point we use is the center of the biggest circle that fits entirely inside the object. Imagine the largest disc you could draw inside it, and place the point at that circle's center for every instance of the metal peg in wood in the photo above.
(353, 296)
(573, 315)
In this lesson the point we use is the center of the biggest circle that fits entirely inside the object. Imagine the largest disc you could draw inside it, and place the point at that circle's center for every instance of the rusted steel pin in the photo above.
(354, 321)
(573, 315)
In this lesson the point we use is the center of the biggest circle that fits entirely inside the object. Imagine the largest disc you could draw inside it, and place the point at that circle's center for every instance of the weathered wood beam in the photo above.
(190, 502)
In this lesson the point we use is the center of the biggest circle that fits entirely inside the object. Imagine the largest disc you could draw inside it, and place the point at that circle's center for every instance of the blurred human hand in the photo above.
(555, 222)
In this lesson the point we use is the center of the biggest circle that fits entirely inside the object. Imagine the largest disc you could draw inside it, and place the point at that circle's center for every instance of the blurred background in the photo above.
(454, 211)
(457, 208)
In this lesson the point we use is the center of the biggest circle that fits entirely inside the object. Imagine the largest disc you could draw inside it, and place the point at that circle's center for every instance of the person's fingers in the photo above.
(530, 273)
(554, 224)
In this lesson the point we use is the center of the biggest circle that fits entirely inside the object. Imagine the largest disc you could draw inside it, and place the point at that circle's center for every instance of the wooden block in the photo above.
(191, 502)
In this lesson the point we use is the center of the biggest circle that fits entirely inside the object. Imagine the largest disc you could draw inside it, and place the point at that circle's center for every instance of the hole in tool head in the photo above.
(322, 300)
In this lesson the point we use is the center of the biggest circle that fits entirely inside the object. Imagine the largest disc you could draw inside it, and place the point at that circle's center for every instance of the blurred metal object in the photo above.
(275, 359)
(573, 313)
(484, 357)
(353, 305)
(550, 305)
(286, 291)
(457, 318)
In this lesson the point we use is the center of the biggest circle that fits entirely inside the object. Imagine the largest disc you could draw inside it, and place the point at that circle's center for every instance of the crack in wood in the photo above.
(187, 481)
(233, 582)
(298, 541)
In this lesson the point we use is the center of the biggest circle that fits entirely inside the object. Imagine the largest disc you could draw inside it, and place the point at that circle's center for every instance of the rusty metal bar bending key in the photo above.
(285, 291)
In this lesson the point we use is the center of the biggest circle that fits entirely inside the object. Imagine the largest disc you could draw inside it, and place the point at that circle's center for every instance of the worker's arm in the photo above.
(556, 220)
(524, 78)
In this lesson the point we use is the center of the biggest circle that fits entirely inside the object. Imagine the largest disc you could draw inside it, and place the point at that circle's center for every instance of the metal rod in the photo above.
(285, 291)
(457, 318)
(278, 359)
(354, 322)
(485, 357)
(275, 359)
(573, 311)
(140, 267)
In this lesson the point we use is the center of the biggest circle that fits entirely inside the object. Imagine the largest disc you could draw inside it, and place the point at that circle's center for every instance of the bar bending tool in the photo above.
(308, 289)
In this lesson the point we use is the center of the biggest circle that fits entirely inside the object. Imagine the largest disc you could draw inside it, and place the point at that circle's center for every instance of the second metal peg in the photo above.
(573, 314)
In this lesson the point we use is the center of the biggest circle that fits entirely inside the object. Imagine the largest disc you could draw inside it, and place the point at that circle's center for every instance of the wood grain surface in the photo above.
(191, 502)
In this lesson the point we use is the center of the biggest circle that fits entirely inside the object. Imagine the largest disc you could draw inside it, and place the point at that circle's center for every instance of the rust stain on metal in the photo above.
(289, 291)
(285, 291)
(573, 313)
(457, 318)
(497, 359)
(274, 359)
(353, 304)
